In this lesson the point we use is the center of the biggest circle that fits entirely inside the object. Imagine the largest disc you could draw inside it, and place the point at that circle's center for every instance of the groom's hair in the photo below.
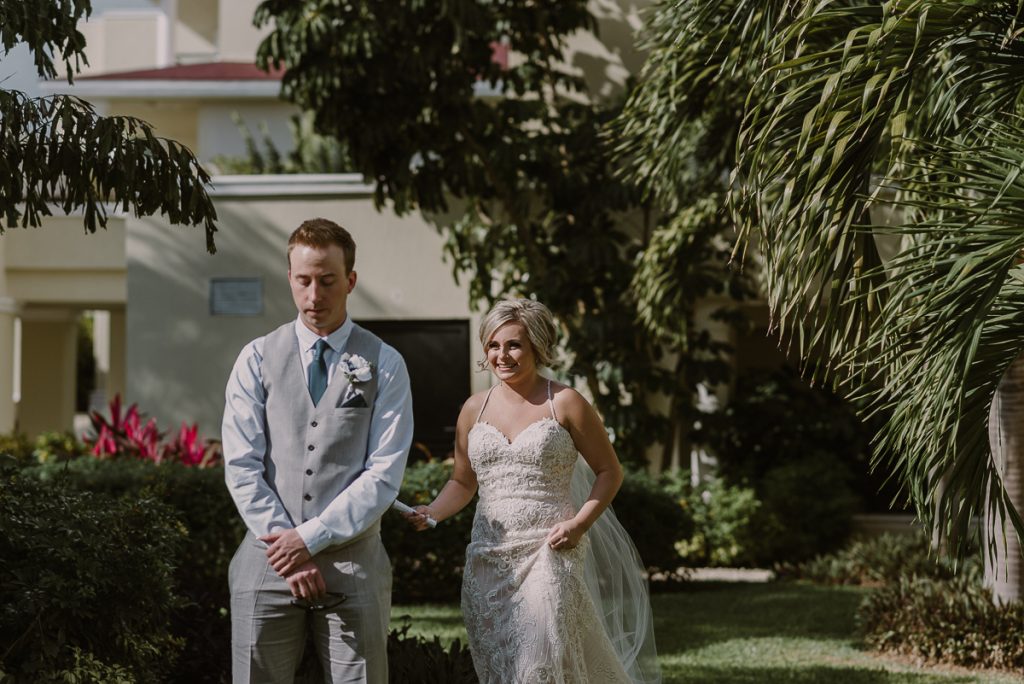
(321, 233)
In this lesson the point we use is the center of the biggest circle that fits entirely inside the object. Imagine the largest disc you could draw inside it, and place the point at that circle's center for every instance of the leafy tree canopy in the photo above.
(520, 182)
(58, 151)
(848, 108)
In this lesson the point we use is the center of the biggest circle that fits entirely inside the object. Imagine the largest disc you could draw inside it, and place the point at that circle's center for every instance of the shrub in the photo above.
(87, 593)
(799, 449)
(202, 504)
(427, 565)
(654, 519)
(49, 446)
(414, 660)
(723, 523)
(17, 449)
(948, 620)
(807, 508)
(872, 562)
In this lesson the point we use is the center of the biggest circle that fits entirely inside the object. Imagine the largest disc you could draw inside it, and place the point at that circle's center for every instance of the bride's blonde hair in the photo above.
(534, 316)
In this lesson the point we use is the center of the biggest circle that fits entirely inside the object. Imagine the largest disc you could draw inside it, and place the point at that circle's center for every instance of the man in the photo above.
(317, 428)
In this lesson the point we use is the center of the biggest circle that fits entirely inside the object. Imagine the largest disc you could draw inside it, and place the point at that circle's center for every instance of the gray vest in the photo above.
(314, 452)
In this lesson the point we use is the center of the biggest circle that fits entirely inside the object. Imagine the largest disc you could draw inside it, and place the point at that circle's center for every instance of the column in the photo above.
(116, 371)
(48, 370)
(8, 309)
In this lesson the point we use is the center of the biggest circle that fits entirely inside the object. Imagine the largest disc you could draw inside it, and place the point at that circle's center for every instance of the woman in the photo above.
(544, 600)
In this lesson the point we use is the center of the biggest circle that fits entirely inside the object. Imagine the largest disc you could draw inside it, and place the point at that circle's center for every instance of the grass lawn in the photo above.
(751, 634)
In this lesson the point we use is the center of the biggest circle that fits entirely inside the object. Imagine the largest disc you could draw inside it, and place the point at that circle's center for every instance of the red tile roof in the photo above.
(210, 71)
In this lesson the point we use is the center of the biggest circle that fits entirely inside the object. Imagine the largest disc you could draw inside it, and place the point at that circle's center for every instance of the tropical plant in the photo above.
(58, 151)
(128, 434)
(311, 153)
(878, 169)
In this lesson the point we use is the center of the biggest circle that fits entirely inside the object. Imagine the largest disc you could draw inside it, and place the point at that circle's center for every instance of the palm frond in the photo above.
(827, 118)
(952, 322)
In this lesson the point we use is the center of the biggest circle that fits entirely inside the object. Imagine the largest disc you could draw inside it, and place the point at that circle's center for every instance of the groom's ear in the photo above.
(352, 281)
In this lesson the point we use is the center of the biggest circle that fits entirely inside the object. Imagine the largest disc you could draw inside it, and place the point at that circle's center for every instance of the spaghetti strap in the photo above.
(551, 403)
(486, 399)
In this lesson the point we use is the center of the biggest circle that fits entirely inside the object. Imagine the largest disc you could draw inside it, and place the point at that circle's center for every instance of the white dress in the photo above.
(527, 610)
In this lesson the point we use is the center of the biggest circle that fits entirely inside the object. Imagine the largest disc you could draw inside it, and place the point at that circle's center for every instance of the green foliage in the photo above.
(49, 29)
(653, 518)
(953, 621)
(798, 448)
(807, 508)
(88, 590)
(422, 136)
(877, 561)
(521, 182)
(846, 109)
(312, 152)
(58, 151)
(724, 520)
(201, 502)
(47, 447)
(427, 565)
(415, 660)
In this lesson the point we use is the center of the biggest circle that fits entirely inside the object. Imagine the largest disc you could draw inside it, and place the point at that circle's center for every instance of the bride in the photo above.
(552, 589)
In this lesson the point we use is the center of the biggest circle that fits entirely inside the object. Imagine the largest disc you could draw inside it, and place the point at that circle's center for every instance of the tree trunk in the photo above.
(1006, 438)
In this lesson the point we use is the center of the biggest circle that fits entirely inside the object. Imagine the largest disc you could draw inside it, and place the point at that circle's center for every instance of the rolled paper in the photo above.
(403, 508)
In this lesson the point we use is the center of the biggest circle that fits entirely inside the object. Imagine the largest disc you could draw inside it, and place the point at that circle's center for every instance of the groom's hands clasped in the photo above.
(291, 559)
(287, 551)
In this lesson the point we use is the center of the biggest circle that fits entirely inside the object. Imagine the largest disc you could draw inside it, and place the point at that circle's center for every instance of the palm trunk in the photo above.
(1006, 438)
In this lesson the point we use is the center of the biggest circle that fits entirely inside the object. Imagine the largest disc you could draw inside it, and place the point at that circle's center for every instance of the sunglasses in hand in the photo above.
(331, 599)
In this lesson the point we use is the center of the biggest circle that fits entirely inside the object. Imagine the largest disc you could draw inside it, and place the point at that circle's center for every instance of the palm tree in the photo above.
(852, 106)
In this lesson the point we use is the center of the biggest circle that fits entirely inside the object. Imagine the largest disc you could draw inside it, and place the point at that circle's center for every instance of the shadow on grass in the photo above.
(710, 613)
(808, 675)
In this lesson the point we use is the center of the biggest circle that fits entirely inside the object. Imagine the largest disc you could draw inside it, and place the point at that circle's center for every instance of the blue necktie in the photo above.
(318, 372)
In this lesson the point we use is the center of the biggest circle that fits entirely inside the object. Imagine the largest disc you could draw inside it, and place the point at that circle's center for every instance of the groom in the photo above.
(317, 427)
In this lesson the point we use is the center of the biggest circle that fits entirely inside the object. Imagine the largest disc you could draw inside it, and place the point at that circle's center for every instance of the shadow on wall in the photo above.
(178, 354)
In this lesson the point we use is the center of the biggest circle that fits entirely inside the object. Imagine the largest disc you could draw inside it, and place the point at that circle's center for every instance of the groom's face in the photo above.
(320, 286)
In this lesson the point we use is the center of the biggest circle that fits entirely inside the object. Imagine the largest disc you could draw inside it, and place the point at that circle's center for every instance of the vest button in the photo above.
(308, 497)
(309, 472)
(313, 423)
(311, 447)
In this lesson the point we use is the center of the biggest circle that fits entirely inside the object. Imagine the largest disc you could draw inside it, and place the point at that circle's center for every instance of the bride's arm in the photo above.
(591, 439)
(461, 487)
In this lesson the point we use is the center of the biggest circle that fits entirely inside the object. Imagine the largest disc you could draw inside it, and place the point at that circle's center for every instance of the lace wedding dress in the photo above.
(528, 611)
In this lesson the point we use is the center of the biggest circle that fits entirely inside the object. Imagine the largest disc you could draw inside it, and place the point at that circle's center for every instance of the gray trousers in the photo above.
(268, 633)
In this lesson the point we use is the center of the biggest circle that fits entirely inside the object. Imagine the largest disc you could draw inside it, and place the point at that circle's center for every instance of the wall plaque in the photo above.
(236, 296)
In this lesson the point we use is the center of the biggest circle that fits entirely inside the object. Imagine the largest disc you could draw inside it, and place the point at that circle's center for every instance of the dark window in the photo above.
(437, 356)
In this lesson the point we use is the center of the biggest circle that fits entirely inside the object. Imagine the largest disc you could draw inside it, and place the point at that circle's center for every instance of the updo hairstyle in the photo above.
(534, 316)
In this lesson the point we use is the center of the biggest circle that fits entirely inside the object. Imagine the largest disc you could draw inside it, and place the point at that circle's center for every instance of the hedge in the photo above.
(87, 590)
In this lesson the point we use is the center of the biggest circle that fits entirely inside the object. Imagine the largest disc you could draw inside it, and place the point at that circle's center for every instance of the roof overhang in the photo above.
(113, 89)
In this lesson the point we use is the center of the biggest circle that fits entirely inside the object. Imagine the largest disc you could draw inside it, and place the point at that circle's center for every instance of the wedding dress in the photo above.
(534, 614)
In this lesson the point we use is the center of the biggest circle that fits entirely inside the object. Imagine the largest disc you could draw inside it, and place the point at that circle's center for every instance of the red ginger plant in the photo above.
(128, 435)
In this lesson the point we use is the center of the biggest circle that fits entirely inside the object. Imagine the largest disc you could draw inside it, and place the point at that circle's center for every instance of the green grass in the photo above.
(752, 634)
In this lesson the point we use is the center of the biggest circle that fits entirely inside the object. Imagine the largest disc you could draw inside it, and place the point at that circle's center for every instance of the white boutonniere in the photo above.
(355, 367)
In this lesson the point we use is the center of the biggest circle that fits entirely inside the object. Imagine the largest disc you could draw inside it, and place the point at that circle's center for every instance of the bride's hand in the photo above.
(418, 519)
(565, 535)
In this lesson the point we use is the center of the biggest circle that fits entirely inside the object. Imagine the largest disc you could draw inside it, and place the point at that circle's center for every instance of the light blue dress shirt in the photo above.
(243, 433)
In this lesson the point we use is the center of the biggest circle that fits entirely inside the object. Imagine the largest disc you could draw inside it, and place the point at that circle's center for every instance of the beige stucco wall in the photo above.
(237, 38)
(124, 40)
(60, 264)
(195, 31)
(179, 355)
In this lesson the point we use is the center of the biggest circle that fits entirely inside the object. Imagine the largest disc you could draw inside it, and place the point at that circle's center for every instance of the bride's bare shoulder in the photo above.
(471, 407)
(567, 400)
